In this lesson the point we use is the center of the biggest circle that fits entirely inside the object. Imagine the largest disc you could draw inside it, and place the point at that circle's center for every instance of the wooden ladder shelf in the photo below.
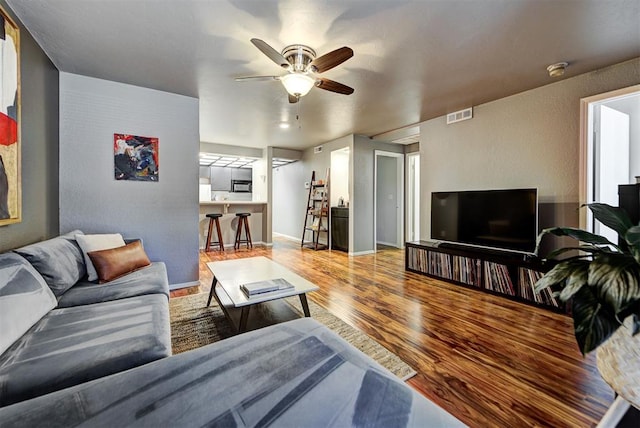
(316, 219)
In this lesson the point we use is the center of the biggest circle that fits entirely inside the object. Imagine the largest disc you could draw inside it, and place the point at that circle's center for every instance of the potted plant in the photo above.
(601, 283)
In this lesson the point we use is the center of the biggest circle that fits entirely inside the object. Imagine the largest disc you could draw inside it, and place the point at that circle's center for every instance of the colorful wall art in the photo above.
(10, 184)
(135, 158)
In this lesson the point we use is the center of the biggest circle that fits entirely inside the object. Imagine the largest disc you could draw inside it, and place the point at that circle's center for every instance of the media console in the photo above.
(506, 273)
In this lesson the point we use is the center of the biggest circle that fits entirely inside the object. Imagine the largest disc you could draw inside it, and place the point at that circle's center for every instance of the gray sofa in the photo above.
(96, 360)
(64, 331)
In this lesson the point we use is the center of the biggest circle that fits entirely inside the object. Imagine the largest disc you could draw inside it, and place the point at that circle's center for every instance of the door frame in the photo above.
(586, 147)
(409, 186)
(399, 157)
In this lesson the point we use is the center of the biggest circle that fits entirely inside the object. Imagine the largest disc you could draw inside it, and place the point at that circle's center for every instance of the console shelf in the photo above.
(505, 273)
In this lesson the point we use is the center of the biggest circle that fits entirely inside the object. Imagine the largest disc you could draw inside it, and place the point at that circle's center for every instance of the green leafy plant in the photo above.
(602, 282)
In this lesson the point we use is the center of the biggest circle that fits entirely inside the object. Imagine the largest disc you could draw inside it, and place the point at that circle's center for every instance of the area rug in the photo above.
(193, 325)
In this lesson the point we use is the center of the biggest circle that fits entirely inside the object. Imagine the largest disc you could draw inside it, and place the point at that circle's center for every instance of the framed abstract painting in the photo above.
(10, 182)
(135, 158)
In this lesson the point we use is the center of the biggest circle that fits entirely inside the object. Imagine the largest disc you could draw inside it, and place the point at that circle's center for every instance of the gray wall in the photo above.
(164, 213)
(39, 130)
(386, 200)
(527, 140)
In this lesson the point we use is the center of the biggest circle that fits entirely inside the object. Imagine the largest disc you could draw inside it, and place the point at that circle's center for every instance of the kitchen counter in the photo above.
(229, 221)
(228, 202)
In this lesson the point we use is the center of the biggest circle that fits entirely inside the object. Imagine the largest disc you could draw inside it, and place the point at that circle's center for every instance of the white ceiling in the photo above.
(413, 61)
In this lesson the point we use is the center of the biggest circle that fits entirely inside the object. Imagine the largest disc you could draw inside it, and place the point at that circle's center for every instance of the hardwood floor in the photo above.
(487, 360)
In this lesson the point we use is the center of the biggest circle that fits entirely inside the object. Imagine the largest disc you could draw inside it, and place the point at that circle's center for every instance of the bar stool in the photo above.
(214, 218)
(243, 219)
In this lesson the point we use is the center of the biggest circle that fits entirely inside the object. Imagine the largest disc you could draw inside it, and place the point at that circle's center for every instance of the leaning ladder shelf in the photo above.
(317, 212)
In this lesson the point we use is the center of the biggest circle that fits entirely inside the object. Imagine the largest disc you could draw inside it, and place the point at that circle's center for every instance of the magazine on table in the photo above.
(265, 286)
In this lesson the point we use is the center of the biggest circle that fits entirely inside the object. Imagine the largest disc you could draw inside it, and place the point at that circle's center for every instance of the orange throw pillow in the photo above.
(115, 262)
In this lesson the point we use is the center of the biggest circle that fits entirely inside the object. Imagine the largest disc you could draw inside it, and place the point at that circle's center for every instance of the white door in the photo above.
(612, 160)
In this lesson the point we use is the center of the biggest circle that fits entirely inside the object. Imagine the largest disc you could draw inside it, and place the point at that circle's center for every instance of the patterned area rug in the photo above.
(194, 325)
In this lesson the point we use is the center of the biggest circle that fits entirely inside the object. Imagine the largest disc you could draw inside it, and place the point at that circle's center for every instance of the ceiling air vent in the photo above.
(317, 149)
(461, 115)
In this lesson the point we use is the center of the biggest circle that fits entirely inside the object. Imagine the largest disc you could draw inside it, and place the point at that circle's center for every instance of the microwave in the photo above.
(241, 186)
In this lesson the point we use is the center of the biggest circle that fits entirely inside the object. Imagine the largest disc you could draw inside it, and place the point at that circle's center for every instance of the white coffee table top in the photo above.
(233, 273)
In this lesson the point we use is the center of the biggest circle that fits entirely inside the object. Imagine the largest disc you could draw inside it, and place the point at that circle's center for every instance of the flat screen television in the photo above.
(505, 219)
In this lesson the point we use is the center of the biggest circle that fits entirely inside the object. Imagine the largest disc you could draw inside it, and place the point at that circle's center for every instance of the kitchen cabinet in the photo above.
(220, 178)
(340, 228)
(241, 174)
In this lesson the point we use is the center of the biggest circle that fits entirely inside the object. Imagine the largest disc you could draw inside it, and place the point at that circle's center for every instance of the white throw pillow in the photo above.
(90, 243)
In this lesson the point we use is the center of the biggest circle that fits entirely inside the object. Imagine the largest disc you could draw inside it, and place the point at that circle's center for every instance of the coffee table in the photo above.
(228, 275)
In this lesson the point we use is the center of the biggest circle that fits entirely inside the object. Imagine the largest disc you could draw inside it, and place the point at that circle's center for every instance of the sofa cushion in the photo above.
(115, 262)
(59, 261)
(148, 280)
(297, 374)
(24, 298)
(97, 242)
(74, 345)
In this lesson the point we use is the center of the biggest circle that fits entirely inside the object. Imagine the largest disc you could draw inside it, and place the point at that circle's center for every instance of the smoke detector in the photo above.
(557, 69)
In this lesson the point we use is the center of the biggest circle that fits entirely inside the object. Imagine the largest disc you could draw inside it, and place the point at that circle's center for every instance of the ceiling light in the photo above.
(284, 125)
(557, 69)
(297, 84)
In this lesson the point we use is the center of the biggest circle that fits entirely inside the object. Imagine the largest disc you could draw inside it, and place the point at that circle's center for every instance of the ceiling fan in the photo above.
(302, 65)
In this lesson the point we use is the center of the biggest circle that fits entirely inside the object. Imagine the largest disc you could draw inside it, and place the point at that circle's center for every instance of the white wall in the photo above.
(631, 106)
(340, 176)
(527, 140)
(163, 214)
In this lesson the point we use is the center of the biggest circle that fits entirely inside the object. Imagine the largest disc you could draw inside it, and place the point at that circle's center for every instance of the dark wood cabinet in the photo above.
(340, 228)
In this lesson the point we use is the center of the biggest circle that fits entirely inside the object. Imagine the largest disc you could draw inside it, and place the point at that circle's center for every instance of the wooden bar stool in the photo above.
(243, 219)
(214, 218)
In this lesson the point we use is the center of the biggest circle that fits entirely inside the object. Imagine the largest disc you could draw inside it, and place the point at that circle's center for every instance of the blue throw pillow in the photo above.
(58, 260)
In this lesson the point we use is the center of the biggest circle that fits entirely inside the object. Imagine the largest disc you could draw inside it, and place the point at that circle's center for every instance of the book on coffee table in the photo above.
(266, 286)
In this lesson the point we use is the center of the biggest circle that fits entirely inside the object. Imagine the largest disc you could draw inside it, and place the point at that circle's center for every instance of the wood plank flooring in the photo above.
(487, 360)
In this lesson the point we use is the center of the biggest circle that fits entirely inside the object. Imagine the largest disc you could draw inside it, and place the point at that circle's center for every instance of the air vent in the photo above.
(317, 149)
(459, 116)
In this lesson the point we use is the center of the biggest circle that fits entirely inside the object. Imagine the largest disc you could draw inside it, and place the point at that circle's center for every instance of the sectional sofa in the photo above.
(59, 330)
(99, 355)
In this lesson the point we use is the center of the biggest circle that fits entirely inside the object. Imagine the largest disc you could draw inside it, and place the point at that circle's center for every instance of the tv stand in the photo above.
(505, 273)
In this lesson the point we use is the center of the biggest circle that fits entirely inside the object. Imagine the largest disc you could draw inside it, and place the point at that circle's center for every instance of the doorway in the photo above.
(610, 150)
(388, 217)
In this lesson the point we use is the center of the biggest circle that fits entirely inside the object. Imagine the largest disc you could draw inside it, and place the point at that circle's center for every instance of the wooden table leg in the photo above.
(305, 305)
(213, 287)
(244, 317)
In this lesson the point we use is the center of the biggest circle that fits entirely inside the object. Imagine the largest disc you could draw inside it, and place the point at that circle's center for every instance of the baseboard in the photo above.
(388, 244)
(183, 285)
(290, 238)
(362, 253)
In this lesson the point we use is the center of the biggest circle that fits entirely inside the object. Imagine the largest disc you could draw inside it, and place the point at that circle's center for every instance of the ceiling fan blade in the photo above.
(273, 54)
(330, 60)
(293, 99)
(242, 79)
(330, 85)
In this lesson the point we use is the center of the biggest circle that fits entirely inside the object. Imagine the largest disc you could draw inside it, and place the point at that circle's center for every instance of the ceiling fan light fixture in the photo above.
(297, 84)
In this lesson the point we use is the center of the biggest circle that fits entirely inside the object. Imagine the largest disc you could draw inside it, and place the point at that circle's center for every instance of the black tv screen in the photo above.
(505, 219)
